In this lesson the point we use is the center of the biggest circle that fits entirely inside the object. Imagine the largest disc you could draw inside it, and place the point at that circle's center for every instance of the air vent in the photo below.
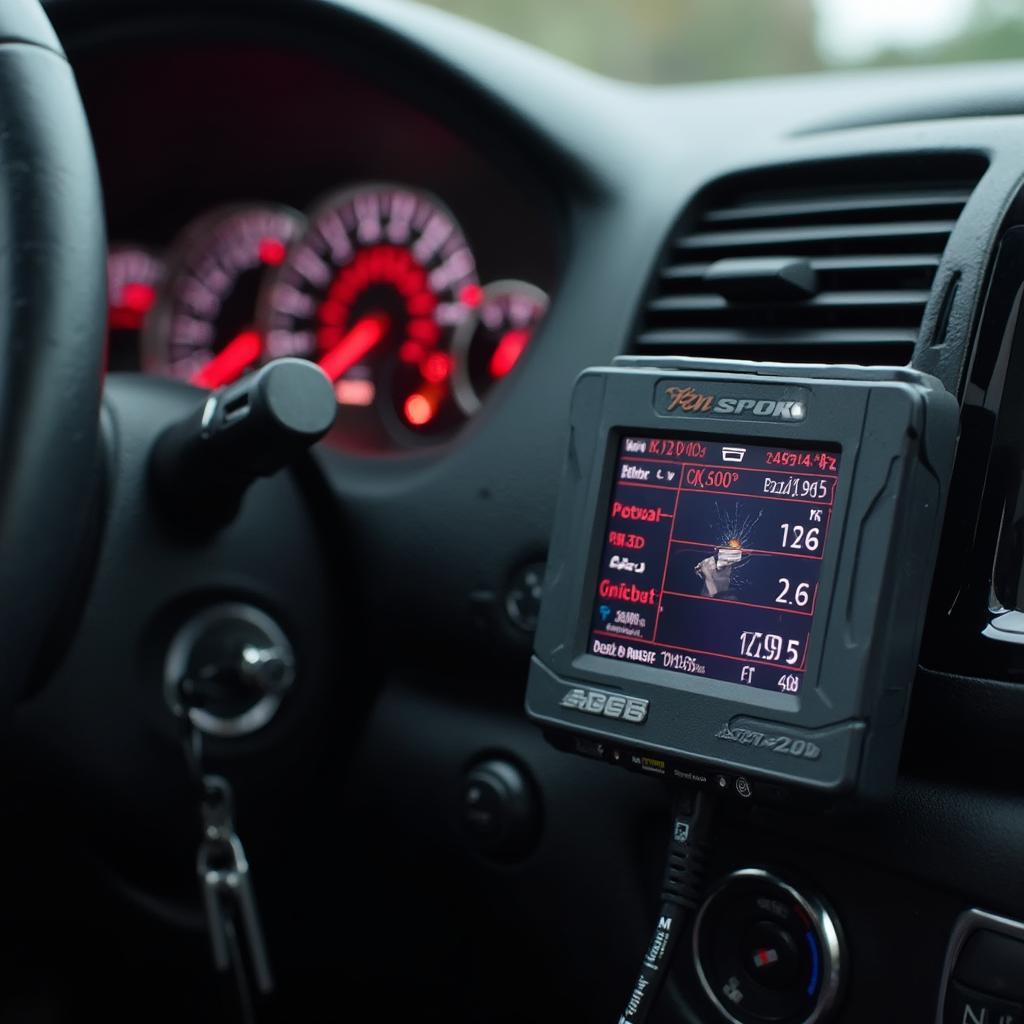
(824, 263)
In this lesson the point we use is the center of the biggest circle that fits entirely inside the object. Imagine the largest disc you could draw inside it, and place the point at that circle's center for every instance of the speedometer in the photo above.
(372, 292)
(202, 328)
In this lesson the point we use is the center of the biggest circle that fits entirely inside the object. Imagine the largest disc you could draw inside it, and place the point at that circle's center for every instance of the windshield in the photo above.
(696, 40)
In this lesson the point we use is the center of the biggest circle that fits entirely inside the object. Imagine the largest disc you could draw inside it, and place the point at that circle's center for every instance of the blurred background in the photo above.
(696, 40)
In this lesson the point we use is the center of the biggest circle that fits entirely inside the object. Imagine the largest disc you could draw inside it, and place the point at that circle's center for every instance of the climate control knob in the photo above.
(767, 952)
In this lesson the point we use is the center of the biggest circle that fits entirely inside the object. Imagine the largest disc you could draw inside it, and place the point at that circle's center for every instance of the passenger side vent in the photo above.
(825, 263)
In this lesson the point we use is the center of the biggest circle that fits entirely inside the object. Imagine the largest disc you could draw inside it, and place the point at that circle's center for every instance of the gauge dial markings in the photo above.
(204, 327)
(488, 345)
(371, 293)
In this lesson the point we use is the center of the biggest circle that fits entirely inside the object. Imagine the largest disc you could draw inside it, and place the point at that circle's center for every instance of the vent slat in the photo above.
(678, 338)
(894, 261)
(876, 206)
(801, 241)
(824, 300)
(841, 273)
(872, 231)
(835, 274)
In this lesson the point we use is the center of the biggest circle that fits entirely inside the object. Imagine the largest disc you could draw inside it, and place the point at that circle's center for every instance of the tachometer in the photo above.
(203, 327)
(372, 292)
(487, 345)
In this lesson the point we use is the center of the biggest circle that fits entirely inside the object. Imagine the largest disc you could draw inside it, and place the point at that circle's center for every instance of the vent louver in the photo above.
(825, 263)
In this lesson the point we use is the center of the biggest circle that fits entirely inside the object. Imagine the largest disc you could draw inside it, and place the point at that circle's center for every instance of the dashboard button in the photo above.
(522, 599)
(967, 1006)
(482, 808)
(499, 809)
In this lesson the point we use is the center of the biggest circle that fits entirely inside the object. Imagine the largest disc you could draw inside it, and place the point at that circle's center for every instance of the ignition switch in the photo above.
(231, 666)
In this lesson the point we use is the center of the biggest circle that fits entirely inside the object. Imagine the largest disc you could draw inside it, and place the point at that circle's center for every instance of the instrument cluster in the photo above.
(377, 283)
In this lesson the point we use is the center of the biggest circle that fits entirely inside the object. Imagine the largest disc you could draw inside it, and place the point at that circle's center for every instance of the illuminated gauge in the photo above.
(488, 345)
(203, 328)
(372, 292)
(134, 275)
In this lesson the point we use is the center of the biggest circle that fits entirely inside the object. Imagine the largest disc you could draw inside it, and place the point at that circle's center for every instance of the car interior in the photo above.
(464, 514)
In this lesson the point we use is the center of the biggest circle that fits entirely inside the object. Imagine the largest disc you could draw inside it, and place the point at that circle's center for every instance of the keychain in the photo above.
(236, 933)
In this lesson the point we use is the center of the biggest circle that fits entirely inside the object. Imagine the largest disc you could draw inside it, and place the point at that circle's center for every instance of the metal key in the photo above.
(227, 886)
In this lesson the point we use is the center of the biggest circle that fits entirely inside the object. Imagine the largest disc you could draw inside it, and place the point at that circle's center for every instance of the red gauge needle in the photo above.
(231, 361)
(136, 301)
(507, 352)
(360, 340)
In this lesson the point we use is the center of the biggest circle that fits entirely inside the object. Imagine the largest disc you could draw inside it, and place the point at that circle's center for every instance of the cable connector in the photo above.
(683, 883)
(680, 896)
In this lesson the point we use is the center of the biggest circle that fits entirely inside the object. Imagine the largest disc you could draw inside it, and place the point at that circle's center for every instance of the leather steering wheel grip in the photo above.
(52, 335)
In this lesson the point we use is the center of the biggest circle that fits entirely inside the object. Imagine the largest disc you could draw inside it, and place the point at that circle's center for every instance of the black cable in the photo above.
(680, 897)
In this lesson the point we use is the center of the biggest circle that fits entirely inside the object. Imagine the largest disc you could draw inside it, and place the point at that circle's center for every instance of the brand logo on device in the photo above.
(608, 705)
(689, 400)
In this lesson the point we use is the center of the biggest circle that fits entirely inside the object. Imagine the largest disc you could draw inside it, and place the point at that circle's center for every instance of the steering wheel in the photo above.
(52, 303)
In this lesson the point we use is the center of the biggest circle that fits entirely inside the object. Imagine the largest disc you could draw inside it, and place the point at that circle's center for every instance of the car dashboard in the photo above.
(279, 165)
(454, 226)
